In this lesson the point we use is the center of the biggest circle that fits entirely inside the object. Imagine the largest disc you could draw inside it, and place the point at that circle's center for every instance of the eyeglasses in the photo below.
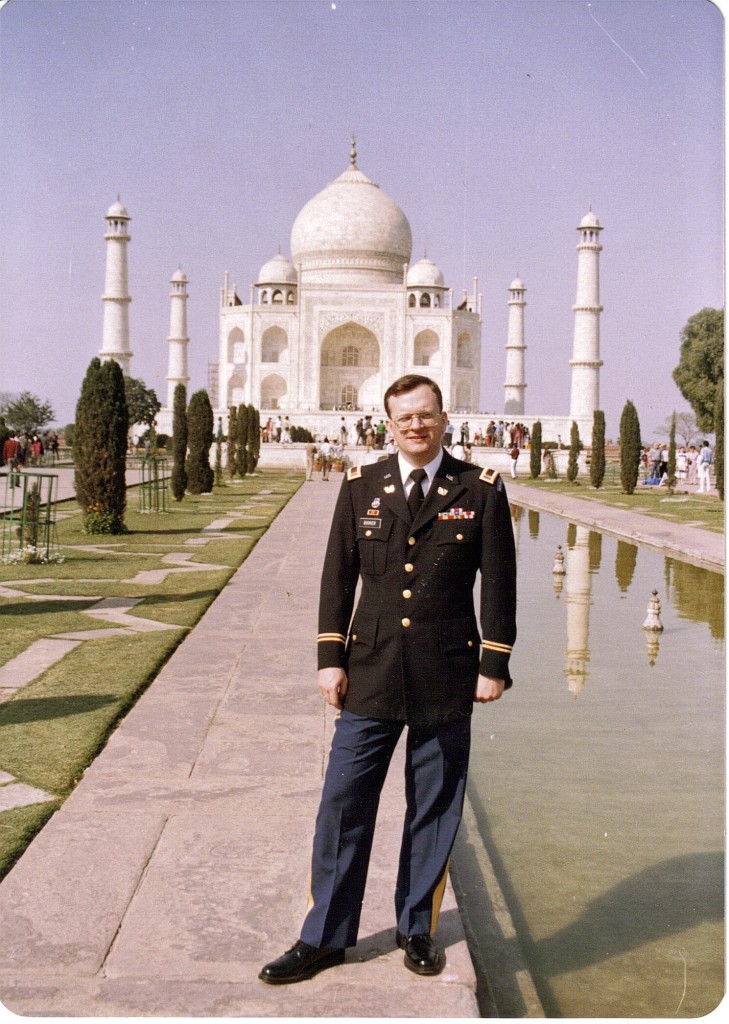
(427, 419)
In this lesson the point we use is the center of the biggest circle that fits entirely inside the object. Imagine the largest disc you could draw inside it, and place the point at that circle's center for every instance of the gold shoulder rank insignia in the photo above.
(354, 473)
(490, 476)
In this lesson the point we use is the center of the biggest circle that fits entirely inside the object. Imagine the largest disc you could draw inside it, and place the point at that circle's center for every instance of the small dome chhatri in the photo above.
(590, 220)
(425, 274)
(117, 211)
(278, 270)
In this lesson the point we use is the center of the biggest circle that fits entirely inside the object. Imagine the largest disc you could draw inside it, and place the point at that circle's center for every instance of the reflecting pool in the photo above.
(597, 782)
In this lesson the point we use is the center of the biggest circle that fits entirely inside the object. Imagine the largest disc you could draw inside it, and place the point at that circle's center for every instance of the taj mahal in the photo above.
(326, 331)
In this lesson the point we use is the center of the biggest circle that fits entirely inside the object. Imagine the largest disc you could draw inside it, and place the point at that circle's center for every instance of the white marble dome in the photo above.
(425, 274)
(179, 277)
(517, 285)
(351, 228)
(278, 270)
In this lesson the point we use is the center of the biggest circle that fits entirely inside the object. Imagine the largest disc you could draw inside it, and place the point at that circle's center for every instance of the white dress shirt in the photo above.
(406, 469)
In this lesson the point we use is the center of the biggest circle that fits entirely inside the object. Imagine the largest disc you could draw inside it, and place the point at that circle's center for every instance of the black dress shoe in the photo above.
(421, 954)
(299, 963)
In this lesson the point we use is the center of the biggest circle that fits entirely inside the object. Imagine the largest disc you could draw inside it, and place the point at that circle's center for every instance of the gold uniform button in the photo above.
(409, 567)
(354, 637)
(411, 541)
(470, 643)
(368, 533)
(407, 593)
(406, 623)
(459, 536)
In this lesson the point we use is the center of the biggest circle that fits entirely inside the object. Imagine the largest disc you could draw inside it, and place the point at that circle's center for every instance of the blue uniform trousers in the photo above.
(435, 781)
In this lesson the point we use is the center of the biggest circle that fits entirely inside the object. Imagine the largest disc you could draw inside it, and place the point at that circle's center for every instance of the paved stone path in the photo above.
(179, 864)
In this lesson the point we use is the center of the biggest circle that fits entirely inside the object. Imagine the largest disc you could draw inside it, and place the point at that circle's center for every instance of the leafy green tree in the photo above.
(535, 453)
(597, 456)
(630, 448)
(178, 480)
(69, 433)
(232, 439)
(100, 445)
(701, 365)
(719, 430)
(573, 465)
(142, 402)
(28, 414)
(200, 475)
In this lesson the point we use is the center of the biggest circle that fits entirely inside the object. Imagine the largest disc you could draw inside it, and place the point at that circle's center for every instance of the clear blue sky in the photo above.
(494, 125)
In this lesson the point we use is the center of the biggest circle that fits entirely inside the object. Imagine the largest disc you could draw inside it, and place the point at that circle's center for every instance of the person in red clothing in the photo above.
(11, 457)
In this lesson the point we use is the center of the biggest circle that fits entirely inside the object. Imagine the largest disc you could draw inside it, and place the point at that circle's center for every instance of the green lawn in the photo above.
(52, 728)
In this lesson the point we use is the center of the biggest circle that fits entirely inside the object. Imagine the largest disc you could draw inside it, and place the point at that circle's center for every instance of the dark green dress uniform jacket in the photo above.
(412, 649)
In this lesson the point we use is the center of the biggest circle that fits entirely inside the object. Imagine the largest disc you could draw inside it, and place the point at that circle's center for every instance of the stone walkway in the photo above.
(179, 864)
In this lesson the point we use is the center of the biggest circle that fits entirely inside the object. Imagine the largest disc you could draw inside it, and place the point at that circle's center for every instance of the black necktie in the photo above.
(415, 498)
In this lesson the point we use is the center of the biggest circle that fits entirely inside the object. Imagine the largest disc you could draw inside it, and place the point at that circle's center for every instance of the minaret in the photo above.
(515, 349)
(116, 299)
(586, 362)
(178, 339)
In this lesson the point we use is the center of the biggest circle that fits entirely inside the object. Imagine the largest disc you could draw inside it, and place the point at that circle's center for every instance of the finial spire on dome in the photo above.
(353, 152)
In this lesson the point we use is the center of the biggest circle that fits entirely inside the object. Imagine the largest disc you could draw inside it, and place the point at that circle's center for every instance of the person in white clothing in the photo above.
(706, 457)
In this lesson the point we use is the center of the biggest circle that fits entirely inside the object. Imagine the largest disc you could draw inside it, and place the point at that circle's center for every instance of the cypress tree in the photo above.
(241, 460)
(218, 472)
(630, 448)
(232, 439)
(597, 459)
(719, 430)
(535, 453)
(253, 435)
(574, 453)
(200, 474)
(671, 467)
(100, 447)
(178, 481)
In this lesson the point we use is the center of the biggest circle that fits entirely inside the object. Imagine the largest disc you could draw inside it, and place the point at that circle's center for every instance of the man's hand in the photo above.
(488, 689)
(333, 685)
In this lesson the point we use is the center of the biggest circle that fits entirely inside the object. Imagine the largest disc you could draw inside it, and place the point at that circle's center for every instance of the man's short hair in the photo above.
(410, 382)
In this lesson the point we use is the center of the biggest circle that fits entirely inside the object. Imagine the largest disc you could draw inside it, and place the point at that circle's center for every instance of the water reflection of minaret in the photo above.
(577, 592)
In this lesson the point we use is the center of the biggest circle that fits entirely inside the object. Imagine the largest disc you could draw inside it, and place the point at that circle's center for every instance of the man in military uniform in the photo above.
(415, 529)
